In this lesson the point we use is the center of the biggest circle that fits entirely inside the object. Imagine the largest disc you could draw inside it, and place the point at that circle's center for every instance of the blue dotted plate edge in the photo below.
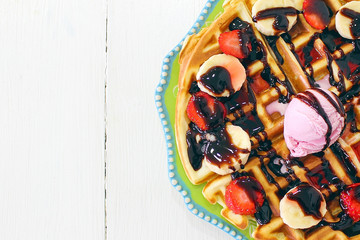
(175, 180)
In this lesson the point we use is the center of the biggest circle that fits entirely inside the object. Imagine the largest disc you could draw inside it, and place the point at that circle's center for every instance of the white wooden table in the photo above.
(60, 177)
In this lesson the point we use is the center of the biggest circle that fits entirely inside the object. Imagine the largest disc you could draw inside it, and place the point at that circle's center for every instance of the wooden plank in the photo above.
(52, 73)
(141, 203)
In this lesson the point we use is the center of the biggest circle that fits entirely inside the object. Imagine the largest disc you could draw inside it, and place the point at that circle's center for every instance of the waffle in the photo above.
(282, 58)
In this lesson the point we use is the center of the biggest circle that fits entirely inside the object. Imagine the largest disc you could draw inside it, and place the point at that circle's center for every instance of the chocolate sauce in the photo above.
(280, 14)
(272, 42)
(349, 64)
(239, 99)
(278, 167)
(308, 198)
(287, 38)
(222, 150)
(345, 161)
(355, 23)
(331, 39)
(268, 176)
(353, 230)
(251, 123)
(263, 215)
(340, 85)
(309, 99)
(217, 80)
(352, 120)
(344, 223)
(238, 24)
(335, 103)
(213, 116)
(194, 88)
(236, 175)
(354, 91)
(216, 145)
(195, 151)
(322, 176)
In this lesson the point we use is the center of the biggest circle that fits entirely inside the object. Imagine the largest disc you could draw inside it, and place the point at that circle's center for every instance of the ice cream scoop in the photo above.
(313, 121)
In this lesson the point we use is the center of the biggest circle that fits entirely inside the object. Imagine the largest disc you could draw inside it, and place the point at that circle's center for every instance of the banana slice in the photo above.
(221, 75)
(302, 207)
(273, 17)
(347, 20)
(227, 151)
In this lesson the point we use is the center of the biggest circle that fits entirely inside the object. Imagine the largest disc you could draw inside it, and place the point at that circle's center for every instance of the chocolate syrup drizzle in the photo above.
(217, 80)
(309, 99)
(280, 14)
(345, 160)
(308, 198)
(216, 145)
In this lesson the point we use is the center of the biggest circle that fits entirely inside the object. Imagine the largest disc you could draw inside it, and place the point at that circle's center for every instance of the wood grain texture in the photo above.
(141, 203)
(52, 70)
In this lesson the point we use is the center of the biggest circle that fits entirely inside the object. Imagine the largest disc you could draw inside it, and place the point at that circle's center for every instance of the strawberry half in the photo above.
(316, 13)
(244, 195)
(236, 43)
(350, 201)
(205, 111)
(259, 84)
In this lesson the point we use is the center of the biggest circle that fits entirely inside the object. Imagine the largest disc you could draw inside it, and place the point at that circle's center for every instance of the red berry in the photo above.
(205, 111)
(259, 84)
(316, 13)
(244, 195)
(236, 43)
(350, 201)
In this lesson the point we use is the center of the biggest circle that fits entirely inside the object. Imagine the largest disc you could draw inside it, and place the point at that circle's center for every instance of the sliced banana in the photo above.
(292, 212)
(241, 140)
(234, 68)
(343, 23)
(265, 26)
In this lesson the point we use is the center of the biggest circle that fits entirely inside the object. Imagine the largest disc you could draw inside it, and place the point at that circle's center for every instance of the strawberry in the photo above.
(356, 149)
(316, 13)
(350, 201)
(205, 111)
(236, 43)
(244, 195)
(259, 84)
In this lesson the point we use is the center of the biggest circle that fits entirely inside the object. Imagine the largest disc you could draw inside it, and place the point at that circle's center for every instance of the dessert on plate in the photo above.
(268, 116)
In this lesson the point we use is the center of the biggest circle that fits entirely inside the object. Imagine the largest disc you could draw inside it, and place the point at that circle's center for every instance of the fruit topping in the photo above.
(347, 20)
(235, 43)
(302, 207)
(316, 13)
(350, 201)
(244, 195)
(274, 17)
(221, 75)
(226, 149)
(205, 111)
(258, 84)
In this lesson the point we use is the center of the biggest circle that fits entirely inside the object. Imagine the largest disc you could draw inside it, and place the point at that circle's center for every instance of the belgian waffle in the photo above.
(285, 59)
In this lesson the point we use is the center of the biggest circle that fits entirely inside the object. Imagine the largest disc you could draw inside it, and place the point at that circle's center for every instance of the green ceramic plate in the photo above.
(165, 99)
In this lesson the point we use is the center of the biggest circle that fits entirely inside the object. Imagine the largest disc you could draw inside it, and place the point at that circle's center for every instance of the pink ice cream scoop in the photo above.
(313, 121)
